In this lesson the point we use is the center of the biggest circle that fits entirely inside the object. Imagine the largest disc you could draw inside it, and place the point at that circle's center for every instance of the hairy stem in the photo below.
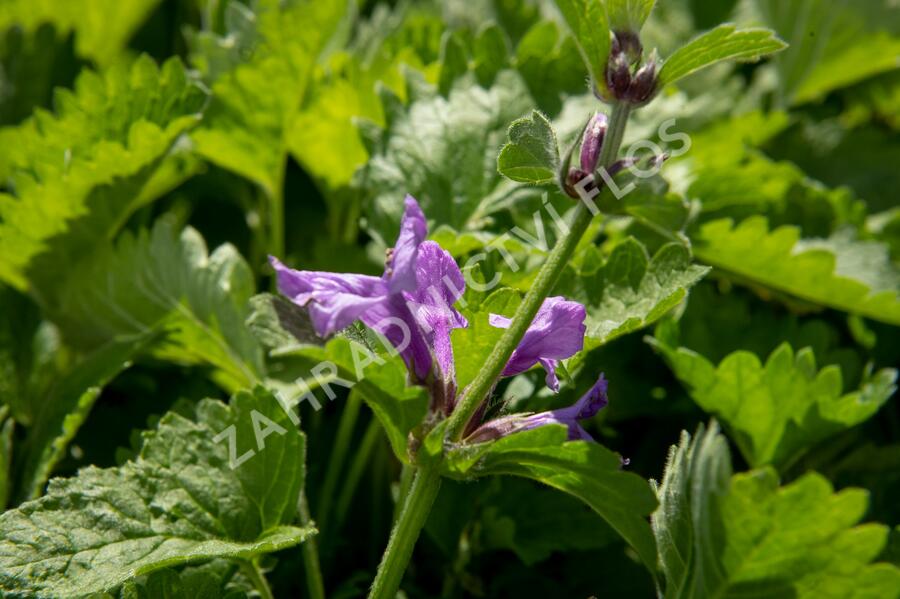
(421, 496)
(546, 278)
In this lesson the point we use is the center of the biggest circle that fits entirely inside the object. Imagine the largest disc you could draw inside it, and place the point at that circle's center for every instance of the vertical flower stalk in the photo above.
(427, 481)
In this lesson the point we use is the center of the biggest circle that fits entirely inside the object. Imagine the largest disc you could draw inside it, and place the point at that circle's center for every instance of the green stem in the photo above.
(546, 278)
(354, 474)
(424, 490)
(309, 549)
(339, 451)
(251, 570)
(427, 481)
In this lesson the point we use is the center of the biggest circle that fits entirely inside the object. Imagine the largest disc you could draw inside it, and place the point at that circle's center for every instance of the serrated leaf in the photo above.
(725, 42)
(256, 100)
(532, 153)
(725, 536)
(584, 469)
(102, 27)
(207, 581)
(159, 279)
(841, 273)
(780, 409)
(589, 25)
(178, 503)
(630, 290)
(74, 183)
(442, 151)
(628, 15)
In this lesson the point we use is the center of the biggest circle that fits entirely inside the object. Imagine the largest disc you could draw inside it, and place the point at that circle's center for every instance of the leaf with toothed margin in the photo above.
(75, 183)
(629, 290)
(724, 535)
(442, 151)
(179, 502)
(725, 42)
(532, 153)
(781, 409)
(838, 272)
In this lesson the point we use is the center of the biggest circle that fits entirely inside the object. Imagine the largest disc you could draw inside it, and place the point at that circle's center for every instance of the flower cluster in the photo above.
(412, 305)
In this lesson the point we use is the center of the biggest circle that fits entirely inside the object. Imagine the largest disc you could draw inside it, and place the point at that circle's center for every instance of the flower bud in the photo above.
(575, 176)
(592, 142)
(629, 43)
(618, 75)
(643, 85)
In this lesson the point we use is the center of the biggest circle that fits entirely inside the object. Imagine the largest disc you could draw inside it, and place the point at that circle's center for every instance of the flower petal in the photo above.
(335, 300)
(401, 271)
(556, 333)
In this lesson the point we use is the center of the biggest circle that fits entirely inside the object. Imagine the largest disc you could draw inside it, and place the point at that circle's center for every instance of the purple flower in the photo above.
(411, 304)
(586, 407)
(592, 142)
(556, 333)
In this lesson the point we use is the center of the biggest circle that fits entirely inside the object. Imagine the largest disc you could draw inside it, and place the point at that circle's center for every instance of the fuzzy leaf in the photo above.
(728, 536)
(179, 502)
(782, 408)
(725, 42)
(532, 153)
(159, 279)
(75, 183)
(629, 290)
(840, 273)
(442, 151)
(584, 469)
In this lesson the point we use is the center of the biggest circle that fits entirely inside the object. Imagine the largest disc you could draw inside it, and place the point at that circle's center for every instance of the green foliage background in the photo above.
(744, 304)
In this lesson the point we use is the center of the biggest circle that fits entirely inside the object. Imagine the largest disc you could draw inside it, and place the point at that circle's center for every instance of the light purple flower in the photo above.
(592, 142)
(411, 304)
(556, 333)
(586, 407)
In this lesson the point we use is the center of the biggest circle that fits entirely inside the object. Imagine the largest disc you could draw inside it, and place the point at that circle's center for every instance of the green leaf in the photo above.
(102, 27)
(589, 25)
(179, 502)
(629, 290)
(727, 536)
(532, 153)
(443, 152)
(628, 15)
(780, 409)
(584, 469)
(840, 273)
(550, 64)
(159, 279)
(255, 101)
(473, 345)
(56, 417)
(76, 183)
(725, 42)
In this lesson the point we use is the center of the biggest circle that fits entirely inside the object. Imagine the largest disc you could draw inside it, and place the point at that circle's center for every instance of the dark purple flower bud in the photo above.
(592, 142)
(644, 83)
(628, 43)
(618, 75)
